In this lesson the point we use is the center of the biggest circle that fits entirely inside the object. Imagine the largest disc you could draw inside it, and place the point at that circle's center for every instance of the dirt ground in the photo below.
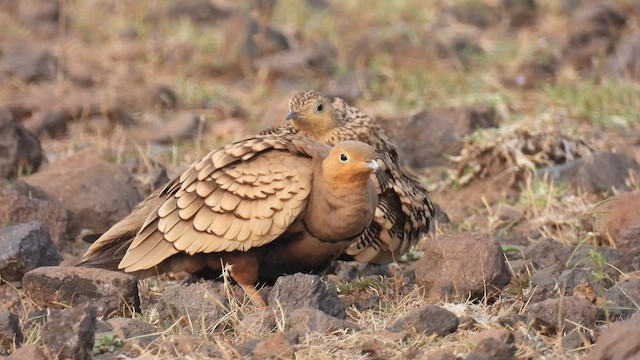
(520, 117)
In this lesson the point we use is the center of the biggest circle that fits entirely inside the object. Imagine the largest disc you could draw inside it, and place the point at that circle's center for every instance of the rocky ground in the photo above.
(520, 117)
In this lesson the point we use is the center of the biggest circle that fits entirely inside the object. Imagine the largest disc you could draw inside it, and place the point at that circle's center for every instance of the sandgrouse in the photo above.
(267, 206)
(404, 211)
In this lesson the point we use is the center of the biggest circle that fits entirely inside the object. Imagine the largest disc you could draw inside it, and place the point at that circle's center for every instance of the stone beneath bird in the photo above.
(404, 213)
(267, 206)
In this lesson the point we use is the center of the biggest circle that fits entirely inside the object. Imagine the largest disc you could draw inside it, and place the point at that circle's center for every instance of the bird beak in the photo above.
(373, 165)
(292, 115)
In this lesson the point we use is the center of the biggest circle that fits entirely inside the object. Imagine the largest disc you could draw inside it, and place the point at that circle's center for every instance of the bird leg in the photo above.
(244, 270)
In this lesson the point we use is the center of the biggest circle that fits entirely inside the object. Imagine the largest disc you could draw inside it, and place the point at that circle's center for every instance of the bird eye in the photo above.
(344, 157)
(319, 107)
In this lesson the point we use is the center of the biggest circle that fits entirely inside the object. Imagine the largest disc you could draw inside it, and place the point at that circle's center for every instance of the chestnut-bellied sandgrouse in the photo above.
(267, 205)
(405, 212)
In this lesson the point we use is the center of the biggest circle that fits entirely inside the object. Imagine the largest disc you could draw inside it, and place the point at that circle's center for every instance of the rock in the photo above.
(618, 342)
(562, 315)
(592, 258)
(623, 298)
(460, 48)
(245, 349)
(627, 263)
(197, 11)
(203, 303)
(186, 346)
(574, 277)
(28, 62)
(443, 129)
(25, 247)
(502, 335)
(546, 253)
(127, 328)
(493, 349)
(620, 221)
(605, 171)
(312, 59)
(247, 39)
(184, 125)
(53, 124)
(29, 352)
(107, 291)
(276, 346)
(575, 339)
(96, 194)
(465, 265)
(257, 323)
(477, 14)
(40, 15)
(16, 208)
(594, 29)
(624, 63)
(10, 331)
(520, 13)
(301, 290)
(439, 354)
(21, 150)
(350, 86)
(428, 320)
(70, 334)
(304, 320)
(544, 284)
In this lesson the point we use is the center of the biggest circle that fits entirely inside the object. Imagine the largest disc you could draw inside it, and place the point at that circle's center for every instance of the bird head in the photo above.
(350, 163)
(313, 113)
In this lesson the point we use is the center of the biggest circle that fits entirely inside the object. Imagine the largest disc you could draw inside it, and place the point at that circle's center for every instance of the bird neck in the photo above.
(345, 182)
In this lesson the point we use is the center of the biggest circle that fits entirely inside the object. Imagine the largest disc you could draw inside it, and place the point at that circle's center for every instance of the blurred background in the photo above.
(154, 85)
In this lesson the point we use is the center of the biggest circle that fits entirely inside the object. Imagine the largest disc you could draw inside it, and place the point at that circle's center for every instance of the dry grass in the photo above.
(408, 81)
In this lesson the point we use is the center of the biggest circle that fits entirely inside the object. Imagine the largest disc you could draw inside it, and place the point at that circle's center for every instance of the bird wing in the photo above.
(242, 196)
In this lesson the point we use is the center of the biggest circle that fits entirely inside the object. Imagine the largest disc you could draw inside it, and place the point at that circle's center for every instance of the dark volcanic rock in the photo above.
(605, 171)
(462, 265)
(493, 349)
(428, 319)
(594, 29)
(520, 12)
(53, 124)
(183, 125)
(128, 327)
(28, 62)
(107, 291)
(197, 10)
(563, 315)
(301, 290)
(625, 61)
(16, 208)
(544, 284)
(20, 149)
(424, 138)
(619, 342)
(546, 253)
(203, 302)
(10, 331)
(70, 334)
(25, 247)
(96, 193)
(304, 320)
(623, 298)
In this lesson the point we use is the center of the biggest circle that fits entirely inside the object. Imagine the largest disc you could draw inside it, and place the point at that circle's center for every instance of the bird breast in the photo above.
(333, 215)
